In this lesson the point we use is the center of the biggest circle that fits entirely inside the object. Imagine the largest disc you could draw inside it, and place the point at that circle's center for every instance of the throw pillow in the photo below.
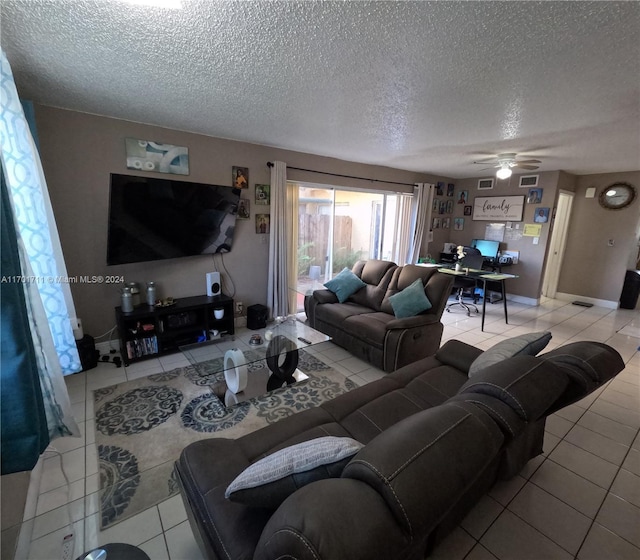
(526, 344)
(410, 301)
(344, 284)
(269, 481)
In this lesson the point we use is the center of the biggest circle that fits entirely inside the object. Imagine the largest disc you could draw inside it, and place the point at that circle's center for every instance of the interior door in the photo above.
(557, 244)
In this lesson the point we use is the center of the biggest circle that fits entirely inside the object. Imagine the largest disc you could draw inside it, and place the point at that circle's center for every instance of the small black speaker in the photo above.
(87, 352)
(257, 316)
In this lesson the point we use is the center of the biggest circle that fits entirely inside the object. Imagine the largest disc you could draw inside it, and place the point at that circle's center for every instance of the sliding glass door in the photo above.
(337, 227)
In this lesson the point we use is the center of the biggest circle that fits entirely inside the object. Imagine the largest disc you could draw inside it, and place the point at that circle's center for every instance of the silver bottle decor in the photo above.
(135, 293)
(127, 300)
(151, 293)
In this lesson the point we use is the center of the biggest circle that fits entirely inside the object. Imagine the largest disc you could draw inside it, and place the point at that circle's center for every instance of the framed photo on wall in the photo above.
(458, 224)
(240, 177)
(541, 216)
(263, 194)
(263, 222)
(463, 197)
(535, 196)
(468, 210)
(244, 212)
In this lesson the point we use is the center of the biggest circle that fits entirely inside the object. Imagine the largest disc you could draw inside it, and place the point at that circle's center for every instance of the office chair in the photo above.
(472, 259)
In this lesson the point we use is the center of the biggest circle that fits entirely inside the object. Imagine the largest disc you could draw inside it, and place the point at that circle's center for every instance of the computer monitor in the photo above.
(488, 249)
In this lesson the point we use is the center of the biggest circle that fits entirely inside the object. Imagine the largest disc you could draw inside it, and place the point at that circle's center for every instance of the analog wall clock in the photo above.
(617, 196)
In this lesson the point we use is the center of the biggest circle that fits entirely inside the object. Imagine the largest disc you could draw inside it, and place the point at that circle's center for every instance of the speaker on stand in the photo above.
(214, 288)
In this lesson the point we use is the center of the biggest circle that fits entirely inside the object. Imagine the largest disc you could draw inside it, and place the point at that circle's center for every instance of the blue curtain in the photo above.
(24, 432)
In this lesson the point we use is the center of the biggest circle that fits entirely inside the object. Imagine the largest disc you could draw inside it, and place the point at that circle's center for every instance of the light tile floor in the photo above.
(580, 499)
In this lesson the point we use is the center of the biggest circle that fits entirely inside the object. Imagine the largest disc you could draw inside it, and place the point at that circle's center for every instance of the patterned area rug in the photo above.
(143, 425)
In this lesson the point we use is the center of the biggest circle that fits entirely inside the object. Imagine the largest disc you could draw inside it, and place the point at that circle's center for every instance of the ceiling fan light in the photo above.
(504, 172)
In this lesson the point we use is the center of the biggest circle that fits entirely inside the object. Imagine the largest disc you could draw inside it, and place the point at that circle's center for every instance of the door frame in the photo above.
(557, 243)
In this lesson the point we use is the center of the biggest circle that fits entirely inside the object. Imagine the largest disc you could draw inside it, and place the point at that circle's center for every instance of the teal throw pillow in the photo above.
(410, 301)
(344, 284)
(524, 345)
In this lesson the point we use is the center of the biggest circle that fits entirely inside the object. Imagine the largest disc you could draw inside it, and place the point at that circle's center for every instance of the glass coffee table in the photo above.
(237, 360)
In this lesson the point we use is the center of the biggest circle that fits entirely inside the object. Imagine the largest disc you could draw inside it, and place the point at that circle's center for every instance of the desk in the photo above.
(484, 277)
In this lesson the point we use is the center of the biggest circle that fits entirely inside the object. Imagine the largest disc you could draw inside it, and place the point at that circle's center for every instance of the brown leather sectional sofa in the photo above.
(365, 324)
(434, 440)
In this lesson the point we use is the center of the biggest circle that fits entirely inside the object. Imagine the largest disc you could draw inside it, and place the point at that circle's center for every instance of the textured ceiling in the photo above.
(425, 86)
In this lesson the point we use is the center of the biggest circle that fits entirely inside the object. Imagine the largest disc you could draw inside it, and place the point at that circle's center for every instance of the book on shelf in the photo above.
(139, 347)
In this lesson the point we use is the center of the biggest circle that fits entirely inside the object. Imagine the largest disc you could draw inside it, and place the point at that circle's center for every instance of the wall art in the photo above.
(263, 194)
(501, 208)
(240, 177)
(145, 155)
(263, 222)
(244, 212)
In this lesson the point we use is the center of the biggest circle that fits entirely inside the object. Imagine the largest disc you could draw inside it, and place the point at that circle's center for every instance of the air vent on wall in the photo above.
(529, 180)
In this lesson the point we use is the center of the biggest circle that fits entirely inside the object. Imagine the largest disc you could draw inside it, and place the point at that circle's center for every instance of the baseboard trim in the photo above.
(595, 301)
(522, 299)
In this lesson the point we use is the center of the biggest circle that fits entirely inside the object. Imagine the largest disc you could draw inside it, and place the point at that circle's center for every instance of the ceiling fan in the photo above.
(505, 162)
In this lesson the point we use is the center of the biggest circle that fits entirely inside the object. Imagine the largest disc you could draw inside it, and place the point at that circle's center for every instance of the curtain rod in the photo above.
(270, 164)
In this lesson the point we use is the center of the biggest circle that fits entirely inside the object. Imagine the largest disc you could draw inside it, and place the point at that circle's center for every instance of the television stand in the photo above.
(152, 331)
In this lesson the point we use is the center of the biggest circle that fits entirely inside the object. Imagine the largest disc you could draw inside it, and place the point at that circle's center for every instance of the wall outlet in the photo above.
(239, 308)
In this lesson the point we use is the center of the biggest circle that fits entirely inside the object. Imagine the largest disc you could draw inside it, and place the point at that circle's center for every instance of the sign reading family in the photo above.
(503, 208)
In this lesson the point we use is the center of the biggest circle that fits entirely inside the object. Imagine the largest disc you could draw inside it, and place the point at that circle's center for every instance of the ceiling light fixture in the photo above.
(504, 172)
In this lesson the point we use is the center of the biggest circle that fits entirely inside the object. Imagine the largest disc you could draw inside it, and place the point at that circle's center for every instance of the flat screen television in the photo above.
(152, 219)
(488, 249)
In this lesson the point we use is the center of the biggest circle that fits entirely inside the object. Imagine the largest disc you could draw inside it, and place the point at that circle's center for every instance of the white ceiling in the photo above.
(424, 86)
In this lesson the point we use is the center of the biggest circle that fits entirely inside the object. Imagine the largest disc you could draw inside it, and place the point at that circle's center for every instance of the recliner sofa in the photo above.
(435, 441)
(365, 324)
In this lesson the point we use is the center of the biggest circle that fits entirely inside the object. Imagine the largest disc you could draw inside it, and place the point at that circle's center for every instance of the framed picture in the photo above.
(449, 206)
(145, 155)
(484, 184)
(240, 177)
(446, 223)
(439, 188)
(443, 207)
(263, 221)
(463, 197)
(263, 194)
(450, 188)
(243, 209)
(436, 223)
(436, 205)
(541, 216)
(458, 224)
(468, 210)
(535, 196)
(498, 208)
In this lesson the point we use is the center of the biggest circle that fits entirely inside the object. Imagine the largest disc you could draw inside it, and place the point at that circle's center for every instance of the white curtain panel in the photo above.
(422, 203)
(49, 302)
(404, 238)
(278, 280)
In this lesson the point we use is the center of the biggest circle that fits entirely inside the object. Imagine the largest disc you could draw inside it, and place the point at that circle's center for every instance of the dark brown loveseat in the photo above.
(434, 440)
(365, 324)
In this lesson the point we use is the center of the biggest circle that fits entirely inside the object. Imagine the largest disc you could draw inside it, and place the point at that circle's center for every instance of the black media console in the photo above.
(149, 332)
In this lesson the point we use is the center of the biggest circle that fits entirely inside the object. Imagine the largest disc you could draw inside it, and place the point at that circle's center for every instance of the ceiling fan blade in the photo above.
(490, 162)
(485, 168)
(521, 166)
(529, 161)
